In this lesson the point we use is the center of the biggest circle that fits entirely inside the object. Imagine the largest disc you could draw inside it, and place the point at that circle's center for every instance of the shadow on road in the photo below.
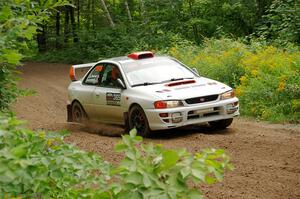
(187, 131)
(117, 130)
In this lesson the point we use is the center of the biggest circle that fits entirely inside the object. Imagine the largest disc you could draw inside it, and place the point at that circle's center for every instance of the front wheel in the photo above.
(78, 114)
(221, 124)
(138, 120)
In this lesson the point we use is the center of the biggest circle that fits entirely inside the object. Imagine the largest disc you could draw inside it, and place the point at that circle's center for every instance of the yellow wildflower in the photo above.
(254, 72)
(281, 84)
(243, 79)
(173, 51)
(239, 91)
(42, 135)
(265, 114)
(50, 142)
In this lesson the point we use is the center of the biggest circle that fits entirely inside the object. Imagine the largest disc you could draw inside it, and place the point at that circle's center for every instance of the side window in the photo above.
(110, 75)
(94, 76)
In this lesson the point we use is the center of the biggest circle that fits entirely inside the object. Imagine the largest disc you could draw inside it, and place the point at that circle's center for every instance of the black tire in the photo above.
(139, 121)
(221, 124)
(78, 114)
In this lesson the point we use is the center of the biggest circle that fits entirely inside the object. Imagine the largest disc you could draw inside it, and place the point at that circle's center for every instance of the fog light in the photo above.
(176, 117)
(163, 114)
(166, 120)
(231, 108)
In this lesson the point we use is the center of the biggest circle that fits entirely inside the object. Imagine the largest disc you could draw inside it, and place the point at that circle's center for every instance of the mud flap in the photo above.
(69, 113)
(126, 121)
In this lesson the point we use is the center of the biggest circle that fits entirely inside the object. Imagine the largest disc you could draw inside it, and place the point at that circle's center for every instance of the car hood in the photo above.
(184, 89)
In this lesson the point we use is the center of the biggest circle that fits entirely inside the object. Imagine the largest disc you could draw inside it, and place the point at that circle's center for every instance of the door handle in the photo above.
(98, 94)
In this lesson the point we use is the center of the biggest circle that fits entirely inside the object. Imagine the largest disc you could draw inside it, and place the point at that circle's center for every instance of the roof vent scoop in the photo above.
(141, 55)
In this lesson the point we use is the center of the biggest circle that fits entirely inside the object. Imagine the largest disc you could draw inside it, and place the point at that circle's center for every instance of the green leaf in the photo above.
(134, 178)
(146, 180)
(129, 194)
(120, 147)
(194, 194)
(210, 180)
(133, 133)
(5, 13)
(8, 176)
(19, 151)
(198, 174)
(12, 56)
(130, 155)
(185, 171)
(169, 159)
(29, 32)
(102, 195)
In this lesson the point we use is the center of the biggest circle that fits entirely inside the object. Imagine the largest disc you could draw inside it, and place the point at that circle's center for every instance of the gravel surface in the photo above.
(266, 156)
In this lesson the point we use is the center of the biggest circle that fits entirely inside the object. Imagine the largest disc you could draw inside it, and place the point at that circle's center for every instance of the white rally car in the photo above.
(149, 93)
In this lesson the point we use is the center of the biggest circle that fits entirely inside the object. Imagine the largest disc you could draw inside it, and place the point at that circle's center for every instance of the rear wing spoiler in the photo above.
(78, 66)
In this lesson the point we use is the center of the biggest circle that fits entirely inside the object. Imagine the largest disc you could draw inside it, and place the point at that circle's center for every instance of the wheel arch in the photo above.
(148, 130)
(134, 104)
(77, 101)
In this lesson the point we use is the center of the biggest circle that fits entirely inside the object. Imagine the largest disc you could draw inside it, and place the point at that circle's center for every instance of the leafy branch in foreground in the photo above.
(150, 171)
(41, 165)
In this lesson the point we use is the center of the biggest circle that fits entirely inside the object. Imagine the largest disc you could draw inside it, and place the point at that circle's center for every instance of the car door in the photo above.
(89, 84)
(108, 98)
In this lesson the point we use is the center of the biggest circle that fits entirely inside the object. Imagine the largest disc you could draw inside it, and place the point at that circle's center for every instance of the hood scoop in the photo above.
(180, 83)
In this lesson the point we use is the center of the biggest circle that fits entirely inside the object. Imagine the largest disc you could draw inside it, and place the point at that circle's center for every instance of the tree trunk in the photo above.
(41, 38)
(66, 33)
(128, 11)
(108, 16)
(195, 28)
(93, 13)
(263, 6)
(78, 15)
(142, 7)
(73, 24)
(57, 30)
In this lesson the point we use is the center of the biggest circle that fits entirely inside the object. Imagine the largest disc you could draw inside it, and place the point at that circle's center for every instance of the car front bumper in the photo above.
(192, 114)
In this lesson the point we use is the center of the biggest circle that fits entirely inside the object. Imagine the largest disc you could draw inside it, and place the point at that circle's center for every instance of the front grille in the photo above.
(197, 100)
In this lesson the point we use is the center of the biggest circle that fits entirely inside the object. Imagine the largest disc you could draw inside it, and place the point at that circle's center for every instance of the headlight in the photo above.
(167, 104)
(228, 95)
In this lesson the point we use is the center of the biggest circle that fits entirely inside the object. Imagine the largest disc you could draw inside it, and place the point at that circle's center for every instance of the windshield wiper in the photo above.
(145, 84)
(169, 80)
(176, 79)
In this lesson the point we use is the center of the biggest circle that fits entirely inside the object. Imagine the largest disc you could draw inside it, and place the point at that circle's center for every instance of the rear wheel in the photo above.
(78, 114)
(221, 124)
(138, 120)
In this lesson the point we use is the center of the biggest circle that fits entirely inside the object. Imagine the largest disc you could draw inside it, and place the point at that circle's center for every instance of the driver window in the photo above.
(110, 76)
(94, 76)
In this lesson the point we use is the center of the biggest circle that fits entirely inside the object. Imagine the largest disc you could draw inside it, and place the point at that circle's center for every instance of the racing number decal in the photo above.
(113, 99)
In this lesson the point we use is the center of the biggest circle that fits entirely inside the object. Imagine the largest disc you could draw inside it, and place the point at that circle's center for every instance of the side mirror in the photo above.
(195, 71)
(121, 83)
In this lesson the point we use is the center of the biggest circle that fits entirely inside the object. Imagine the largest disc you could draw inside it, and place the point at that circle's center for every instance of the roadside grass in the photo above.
(266, 78)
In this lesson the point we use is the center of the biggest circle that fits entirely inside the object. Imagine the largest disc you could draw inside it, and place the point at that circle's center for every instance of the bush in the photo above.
(39, 164)
(270, 87)
(217, 59)
(150, 171)
(266, 78)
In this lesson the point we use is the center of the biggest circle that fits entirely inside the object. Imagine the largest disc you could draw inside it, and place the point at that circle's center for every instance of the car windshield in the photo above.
(156, 70)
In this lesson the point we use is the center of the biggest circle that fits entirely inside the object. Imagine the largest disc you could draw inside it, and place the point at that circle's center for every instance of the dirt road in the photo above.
(266, 157)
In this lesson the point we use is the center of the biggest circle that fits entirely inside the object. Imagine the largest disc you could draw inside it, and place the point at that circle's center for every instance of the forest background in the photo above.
(252, 45)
